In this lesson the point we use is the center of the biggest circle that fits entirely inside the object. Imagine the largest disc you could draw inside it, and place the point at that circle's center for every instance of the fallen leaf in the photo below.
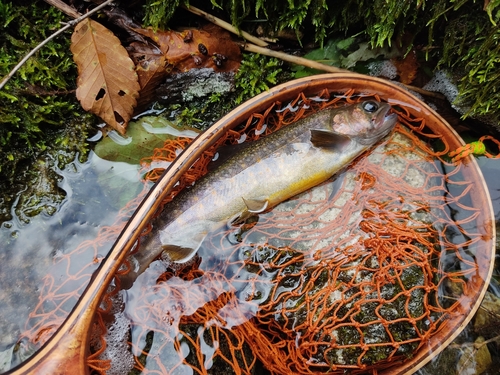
(365, 52)
(345, 53)
(330, 54)
(151, 70)
(107, 83)
(143, 136)
(6, 358)
(120, 183)
(407, 67)
(190, 49)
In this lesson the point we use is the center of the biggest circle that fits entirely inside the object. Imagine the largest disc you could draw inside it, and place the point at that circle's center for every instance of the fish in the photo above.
(261, 175)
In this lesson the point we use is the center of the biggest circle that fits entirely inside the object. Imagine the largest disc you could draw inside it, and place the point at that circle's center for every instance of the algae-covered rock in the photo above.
(195, 83)
(475, 359)
(488, 315)
(300, 305)
(42, 194)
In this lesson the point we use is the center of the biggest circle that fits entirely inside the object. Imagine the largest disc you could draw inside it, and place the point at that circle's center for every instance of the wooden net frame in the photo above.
(362, 305)
(218, 330)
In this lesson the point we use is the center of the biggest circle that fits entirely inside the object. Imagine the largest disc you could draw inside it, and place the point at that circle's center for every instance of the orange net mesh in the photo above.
(355, 275)
(69, 277)
(476, 148)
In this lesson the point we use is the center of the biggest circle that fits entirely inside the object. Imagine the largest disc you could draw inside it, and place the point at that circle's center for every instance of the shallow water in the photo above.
(33, 251)
(34, 254)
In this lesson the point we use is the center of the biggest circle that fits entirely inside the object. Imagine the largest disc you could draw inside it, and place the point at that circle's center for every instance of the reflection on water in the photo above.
(490, 169)
(32, 251)
(468, 353)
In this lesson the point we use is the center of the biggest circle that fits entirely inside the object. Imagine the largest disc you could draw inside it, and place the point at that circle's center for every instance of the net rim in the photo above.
(67, 348)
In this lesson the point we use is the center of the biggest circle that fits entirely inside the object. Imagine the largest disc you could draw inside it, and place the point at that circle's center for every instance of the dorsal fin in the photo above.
(327, 139)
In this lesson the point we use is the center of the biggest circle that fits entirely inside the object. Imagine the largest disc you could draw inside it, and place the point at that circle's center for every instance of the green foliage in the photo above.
(255, 75)
(492, 11)
(480, 85)
(39, 116)
(157, 13)
(472, 51)
(35, 101)
(381, 19)
(460, 34)
(330, 54)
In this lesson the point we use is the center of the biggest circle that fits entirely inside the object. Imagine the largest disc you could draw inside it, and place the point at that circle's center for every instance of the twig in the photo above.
(63, 7)
(35, 50)
(293, 59)
(258, 45)
(225, 25)
(475, 345)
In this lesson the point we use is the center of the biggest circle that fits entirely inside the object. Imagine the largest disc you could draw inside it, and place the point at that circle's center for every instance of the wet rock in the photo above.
(447, 84)
(488, 315)
(195, 83)
(43, 194)
(475, 359)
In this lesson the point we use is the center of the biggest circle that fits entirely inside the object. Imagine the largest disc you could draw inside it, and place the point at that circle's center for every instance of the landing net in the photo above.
(354, 275)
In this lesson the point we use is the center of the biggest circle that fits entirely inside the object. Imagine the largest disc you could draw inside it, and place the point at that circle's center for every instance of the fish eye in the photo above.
(370, 106)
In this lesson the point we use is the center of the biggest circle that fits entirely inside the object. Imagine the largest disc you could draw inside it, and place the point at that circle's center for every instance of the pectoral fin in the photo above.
(328, 139)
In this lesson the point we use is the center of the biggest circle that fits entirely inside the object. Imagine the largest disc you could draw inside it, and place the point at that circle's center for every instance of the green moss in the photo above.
(36, 99)
(157, 13)
(40, 118)
(256, 74)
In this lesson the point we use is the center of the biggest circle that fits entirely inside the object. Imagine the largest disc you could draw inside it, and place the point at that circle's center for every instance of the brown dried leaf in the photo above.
(151, 70)
(190, 49)
(407, 67)
(107, 82)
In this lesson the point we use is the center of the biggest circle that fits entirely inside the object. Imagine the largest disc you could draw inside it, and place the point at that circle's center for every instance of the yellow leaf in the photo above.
(107, 82)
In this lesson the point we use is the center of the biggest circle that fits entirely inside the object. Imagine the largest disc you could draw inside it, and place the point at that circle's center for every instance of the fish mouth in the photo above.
(385, 121)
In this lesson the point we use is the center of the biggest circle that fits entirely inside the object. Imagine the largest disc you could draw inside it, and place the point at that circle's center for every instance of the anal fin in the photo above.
(178, 254)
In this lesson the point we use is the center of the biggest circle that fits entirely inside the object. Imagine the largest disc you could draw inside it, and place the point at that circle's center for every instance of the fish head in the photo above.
(366, 122)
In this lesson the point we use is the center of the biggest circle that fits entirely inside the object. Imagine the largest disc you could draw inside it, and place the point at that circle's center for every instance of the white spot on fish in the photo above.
(288, 106)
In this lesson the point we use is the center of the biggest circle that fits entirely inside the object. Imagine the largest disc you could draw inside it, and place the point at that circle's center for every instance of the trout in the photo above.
(266, 172)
